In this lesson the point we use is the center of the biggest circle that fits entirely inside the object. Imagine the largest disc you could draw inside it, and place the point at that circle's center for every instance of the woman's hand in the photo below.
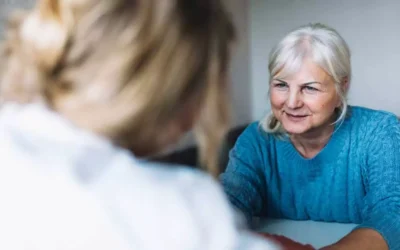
(286, 243)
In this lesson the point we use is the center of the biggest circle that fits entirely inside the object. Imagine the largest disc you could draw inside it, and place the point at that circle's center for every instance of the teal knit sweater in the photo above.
(354, 179)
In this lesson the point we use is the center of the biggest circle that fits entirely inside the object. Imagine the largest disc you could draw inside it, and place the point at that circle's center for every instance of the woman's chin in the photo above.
(295, 130)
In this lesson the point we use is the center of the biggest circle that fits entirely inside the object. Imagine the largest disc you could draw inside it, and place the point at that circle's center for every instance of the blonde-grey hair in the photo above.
(124, 68)
(326, 48)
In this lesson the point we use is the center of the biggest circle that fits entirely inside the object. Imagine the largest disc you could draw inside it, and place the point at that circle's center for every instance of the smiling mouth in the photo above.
(295, 117)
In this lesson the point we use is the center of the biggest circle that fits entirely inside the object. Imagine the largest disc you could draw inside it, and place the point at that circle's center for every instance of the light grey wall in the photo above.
(370, 27)
(240, 68)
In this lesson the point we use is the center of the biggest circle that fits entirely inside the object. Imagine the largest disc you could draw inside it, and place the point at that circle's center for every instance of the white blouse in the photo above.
(65, 188)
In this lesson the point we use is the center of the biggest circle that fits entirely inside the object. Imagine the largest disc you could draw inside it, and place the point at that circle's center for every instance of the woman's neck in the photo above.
(311, 143)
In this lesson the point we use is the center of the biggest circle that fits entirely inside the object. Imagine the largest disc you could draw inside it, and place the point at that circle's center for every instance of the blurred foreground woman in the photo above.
(82, 81)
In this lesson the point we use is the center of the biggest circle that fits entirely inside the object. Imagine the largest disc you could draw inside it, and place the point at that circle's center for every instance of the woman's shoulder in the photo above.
(254, 142)
(255, 133)
(369, 113)
(367, 124)
(372, 118)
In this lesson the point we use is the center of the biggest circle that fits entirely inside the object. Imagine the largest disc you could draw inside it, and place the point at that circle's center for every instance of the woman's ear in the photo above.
(345, 84)
(344, 87)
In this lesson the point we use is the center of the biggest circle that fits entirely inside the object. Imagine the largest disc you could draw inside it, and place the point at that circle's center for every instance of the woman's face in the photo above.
(304, 101)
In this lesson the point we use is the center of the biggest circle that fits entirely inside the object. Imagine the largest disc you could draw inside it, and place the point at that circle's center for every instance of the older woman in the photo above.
(314, 157)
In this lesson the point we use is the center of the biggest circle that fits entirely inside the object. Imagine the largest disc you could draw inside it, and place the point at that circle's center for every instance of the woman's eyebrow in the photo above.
(309, 83)
(279, 80)
(303, 84)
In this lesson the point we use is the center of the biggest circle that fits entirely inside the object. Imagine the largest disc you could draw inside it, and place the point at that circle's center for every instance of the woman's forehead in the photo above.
(306, 72)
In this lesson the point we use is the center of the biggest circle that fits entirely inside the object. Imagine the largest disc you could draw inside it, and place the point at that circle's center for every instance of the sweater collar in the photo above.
(329, 153)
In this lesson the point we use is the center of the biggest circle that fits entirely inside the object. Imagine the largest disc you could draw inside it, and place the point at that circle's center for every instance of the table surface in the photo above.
(318, 234)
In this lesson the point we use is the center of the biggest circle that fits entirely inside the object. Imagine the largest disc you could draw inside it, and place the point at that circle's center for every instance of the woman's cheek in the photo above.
(277, 99)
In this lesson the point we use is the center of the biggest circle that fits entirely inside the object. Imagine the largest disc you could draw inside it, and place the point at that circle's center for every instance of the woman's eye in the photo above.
(280, 85)
(310, 89)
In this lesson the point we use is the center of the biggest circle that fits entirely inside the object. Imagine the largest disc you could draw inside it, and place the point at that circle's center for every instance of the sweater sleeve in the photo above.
(382, 182)
(244, 180)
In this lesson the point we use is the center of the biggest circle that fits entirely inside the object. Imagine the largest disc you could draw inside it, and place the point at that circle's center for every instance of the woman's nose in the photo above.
(294, 100)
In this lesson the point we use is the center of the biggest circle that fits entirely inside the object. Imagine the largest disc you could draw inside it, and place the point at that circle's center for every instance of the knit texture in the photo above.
(354, 179)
